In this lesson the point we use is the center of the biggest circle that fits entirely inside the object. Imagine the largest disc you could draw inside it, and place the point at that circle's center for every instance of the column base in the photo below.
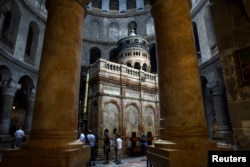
(50, 158)
(171, 154)
(6, 142)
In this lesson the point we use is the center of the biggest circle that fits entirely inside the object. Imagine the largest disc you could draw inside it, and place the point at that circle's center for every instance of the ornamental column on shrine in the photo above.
(53, 135)
(183, 131)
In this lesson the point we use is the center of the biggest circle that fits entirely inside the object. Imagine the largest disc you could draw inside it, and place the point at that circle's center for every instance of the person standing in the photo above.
(82, 137)
(91, 139)
(119, 149)
(19, 136)
(106, 146)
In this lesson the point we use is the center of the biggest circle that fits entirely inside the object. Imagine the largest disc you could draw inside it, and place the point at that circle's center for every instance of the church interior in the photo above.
(175, 70)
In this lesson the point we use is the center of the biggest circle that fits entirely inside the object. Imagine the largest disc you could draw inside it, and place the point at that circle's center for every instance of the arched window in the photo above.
(113, 55)
(196, 39)
(31, 43)
(137, 66)
(144, 67)
(139, 4)
(153, 58)
(114, 31)
(129, 65)
(95, 54)
(132, 26)
(6, 25)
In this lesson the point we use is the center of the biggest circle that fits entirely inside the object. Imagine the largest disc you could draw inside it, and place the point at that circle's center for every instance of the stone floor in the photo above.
(126, 162)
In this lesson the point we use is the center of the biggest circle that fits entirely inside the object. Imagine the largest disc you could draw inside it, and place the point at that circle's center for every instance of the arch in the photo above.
(196, 40)
(95, 54)
(150, 29)
(5, 73)
(32, 43)
(153, 57)
(132, 26)
(139, 4)
(149, 120)
(14, 23)
(129, 64)
(95, 26)
(137, 65)
(144, 67)
(113, 55)
(113, 31)
(111, 116)
(131, 118)
(21, 101)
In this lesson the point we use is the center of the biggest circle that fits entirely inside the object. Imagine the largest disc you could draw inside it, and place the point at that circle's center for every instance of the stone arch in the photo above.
(95, 26)
(137, 65)
(149, 120)
(5, 73)
(153, 57)
(150, 30)
(95, 54)
(131, 119)
(111, 116)
(113, 31)
(32, 43)
(113, 55)
(20, 102)
(10, 26)
(132, 25)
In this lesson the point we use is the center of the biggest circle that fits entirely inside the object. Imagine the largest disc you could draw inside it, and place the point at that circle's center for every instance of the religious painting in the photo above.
(242, 59)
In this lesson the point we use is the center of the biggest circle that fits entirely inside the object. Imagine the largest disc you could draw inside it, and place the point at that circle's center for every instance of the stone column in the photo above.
(29, 112)
(183, 130)
(223, 131)
(53, 137)
(9, 89)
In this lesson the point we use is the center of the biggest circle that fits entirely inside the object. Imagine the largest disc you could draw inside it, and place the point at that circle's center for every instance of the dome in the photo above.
(133, 52)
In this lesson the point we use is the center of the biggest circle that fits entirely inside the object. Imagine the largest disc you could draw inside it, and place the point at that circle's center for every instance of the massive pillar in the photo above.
(183, 130)
(9, 89)
(223, 132)
(54, 129)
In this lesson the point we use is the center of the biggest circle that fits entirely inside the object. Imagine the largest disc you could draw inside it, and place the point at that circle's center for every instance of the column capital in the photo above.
(9, 87)
(215, 88)
(31, 94)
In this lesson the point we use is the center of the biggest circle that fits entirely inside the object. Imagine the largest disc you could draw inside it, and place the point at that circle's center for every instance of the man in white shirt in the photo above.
(82, 137)
(19, 135)
(119, 149)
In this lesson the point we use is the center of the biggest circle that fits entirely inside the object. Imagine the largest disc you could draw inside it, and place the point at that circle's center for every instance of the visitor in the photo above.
(92, 140)
(119, 149)
(82, 137)
(19, 137)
